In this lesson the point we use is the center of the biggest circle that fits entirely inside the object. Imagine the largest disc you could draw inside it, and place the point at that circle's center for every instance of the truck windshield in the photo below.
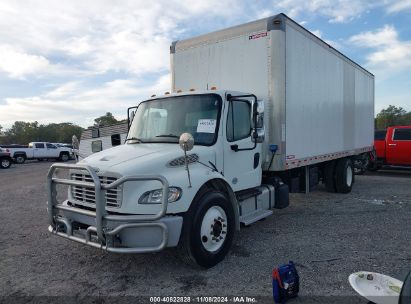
(165, 119)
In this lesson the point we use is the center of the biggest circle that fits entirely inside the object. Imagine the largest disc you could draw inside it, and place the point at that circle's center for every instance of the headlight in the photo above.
(155, 196)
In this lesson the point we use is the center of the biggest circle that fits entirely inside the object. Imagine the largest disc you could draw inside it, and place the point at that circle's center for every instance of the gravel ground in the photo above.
(327, 235)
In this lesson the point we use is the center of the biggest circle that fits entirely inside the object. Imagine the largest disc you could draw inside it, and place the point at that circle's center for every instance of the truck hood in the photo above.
(128, 158)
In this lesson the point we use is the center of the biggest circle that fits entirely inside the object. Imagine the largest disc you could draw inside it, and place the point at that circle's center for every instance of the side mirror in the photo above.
(131, 117)
(186, 142)
(258, 111)
(405, 294)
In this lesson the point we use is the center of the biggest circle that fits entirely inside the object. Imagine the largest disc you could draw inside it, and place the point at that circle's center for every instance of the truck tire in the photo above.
(64, 157)
(208, 230)
(344, 175)
(329, 176)
(20, 158)
(5, 163)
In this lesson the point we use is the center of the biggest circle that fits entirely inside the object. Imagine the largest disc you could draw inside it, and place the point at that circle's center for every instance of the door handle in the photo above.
(392, 144)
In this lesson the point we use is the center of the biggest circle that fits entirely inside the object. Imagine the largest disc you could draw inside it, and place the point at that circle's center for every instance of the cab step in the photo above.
(254, 216)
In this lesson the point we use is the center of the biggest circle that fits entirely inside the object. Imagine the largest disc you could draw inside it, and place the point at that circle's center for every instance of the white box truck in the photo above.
(251, 106)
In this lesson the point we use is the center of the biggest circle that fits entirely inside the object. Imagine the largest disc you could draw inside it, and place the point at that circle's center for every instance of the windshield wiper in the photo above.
(168, 135)
(134, 138)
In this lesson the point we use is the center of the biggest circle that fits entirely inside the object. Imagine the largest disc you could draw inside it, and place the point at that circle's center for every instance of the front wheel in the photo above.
(208, 230)
(5, 163)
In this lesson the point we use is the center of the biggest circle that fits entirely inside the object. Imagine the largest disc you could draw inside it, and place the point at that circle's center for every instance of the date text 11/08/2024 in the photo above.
(209, 299)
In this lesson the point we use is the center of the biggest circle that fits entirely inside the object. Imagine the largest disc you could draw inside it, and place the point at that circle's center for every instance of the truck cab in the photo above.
(393, 146)
(200, 150)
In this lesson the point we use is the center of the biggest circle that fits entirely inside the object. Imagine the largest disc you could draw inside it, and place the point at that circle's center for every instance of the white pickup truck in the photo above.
(38, 150)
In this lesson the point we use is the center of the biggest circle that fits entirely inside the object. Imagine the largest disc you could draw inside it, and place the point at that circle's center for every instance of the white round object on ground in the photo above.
(376, 287)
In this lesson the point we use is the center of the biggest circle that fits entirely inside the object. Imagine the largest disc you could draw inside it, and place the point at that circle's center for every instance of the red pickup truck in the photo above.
(393, 147)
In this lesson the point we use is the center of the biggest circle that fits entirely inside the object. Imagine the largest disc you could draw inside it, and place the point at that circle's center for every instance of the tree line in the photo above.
(392, 116)
(22, 132)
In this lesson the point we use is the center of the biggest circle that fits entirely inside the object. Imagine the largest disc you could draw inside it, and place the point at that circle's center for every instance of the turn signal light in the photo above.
(191, 90)
(213, 88)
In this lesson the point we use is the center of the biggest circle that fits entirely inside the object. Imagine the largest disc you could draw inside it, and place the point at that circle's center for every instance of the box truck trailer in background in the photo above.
(252, 106)
(98, 138)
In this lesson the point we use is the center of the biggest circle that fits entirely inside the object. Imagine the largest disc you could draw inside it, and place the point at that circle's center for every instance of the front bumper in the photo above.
(107, 231)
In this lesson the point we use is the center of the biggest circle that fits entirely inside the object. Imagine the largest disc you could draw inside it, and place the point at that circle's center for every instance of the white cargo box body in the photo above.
(319, 105)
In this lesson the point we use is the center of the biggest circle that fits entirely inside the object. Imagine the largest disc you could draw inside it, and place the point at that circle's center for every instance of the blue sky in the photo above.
(75, 60)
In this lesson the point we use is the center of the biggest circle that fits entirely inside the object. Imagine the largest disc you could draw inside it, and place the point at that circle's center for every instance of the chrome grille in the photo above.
(87, 196)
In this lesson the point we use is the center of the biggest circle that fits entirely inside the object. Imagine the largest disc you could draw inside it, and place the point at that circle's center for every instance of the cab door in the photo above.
(242, 157)
(52, 151)
(399, 147)
(40, 150)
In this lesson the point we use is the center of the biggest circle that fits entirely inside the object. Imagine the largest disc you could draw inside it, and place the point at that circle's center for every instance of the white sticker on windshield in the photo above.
(206, 126)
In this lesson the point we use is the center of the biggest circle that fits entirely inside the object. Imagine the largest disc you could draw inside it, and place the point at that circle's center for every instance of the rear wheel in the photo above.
(20, 159)
(5, 163)
(344, 175)
(208, 230)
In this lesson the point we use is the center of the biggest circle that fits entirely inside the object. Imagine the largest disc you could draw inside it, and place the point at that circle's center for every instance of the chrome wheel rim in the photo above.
(214, 229)
(5, 163)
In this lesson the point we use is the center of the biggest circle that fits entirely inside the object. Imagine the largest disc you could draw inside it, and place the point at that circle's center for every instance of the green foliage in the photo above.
(105, 120)
(24, 132)
(392, 116)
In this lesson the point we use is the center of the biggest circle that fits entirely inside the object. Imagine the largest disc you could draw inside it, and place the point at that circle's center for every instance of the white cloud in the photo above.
(133, 36)
(79, 104)
(337, 11)
(69, 47)
(102, 36)
(398, 6)
(384, 36)
(64, 90)
(333, 43)
(389, 55)
(18, 64)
